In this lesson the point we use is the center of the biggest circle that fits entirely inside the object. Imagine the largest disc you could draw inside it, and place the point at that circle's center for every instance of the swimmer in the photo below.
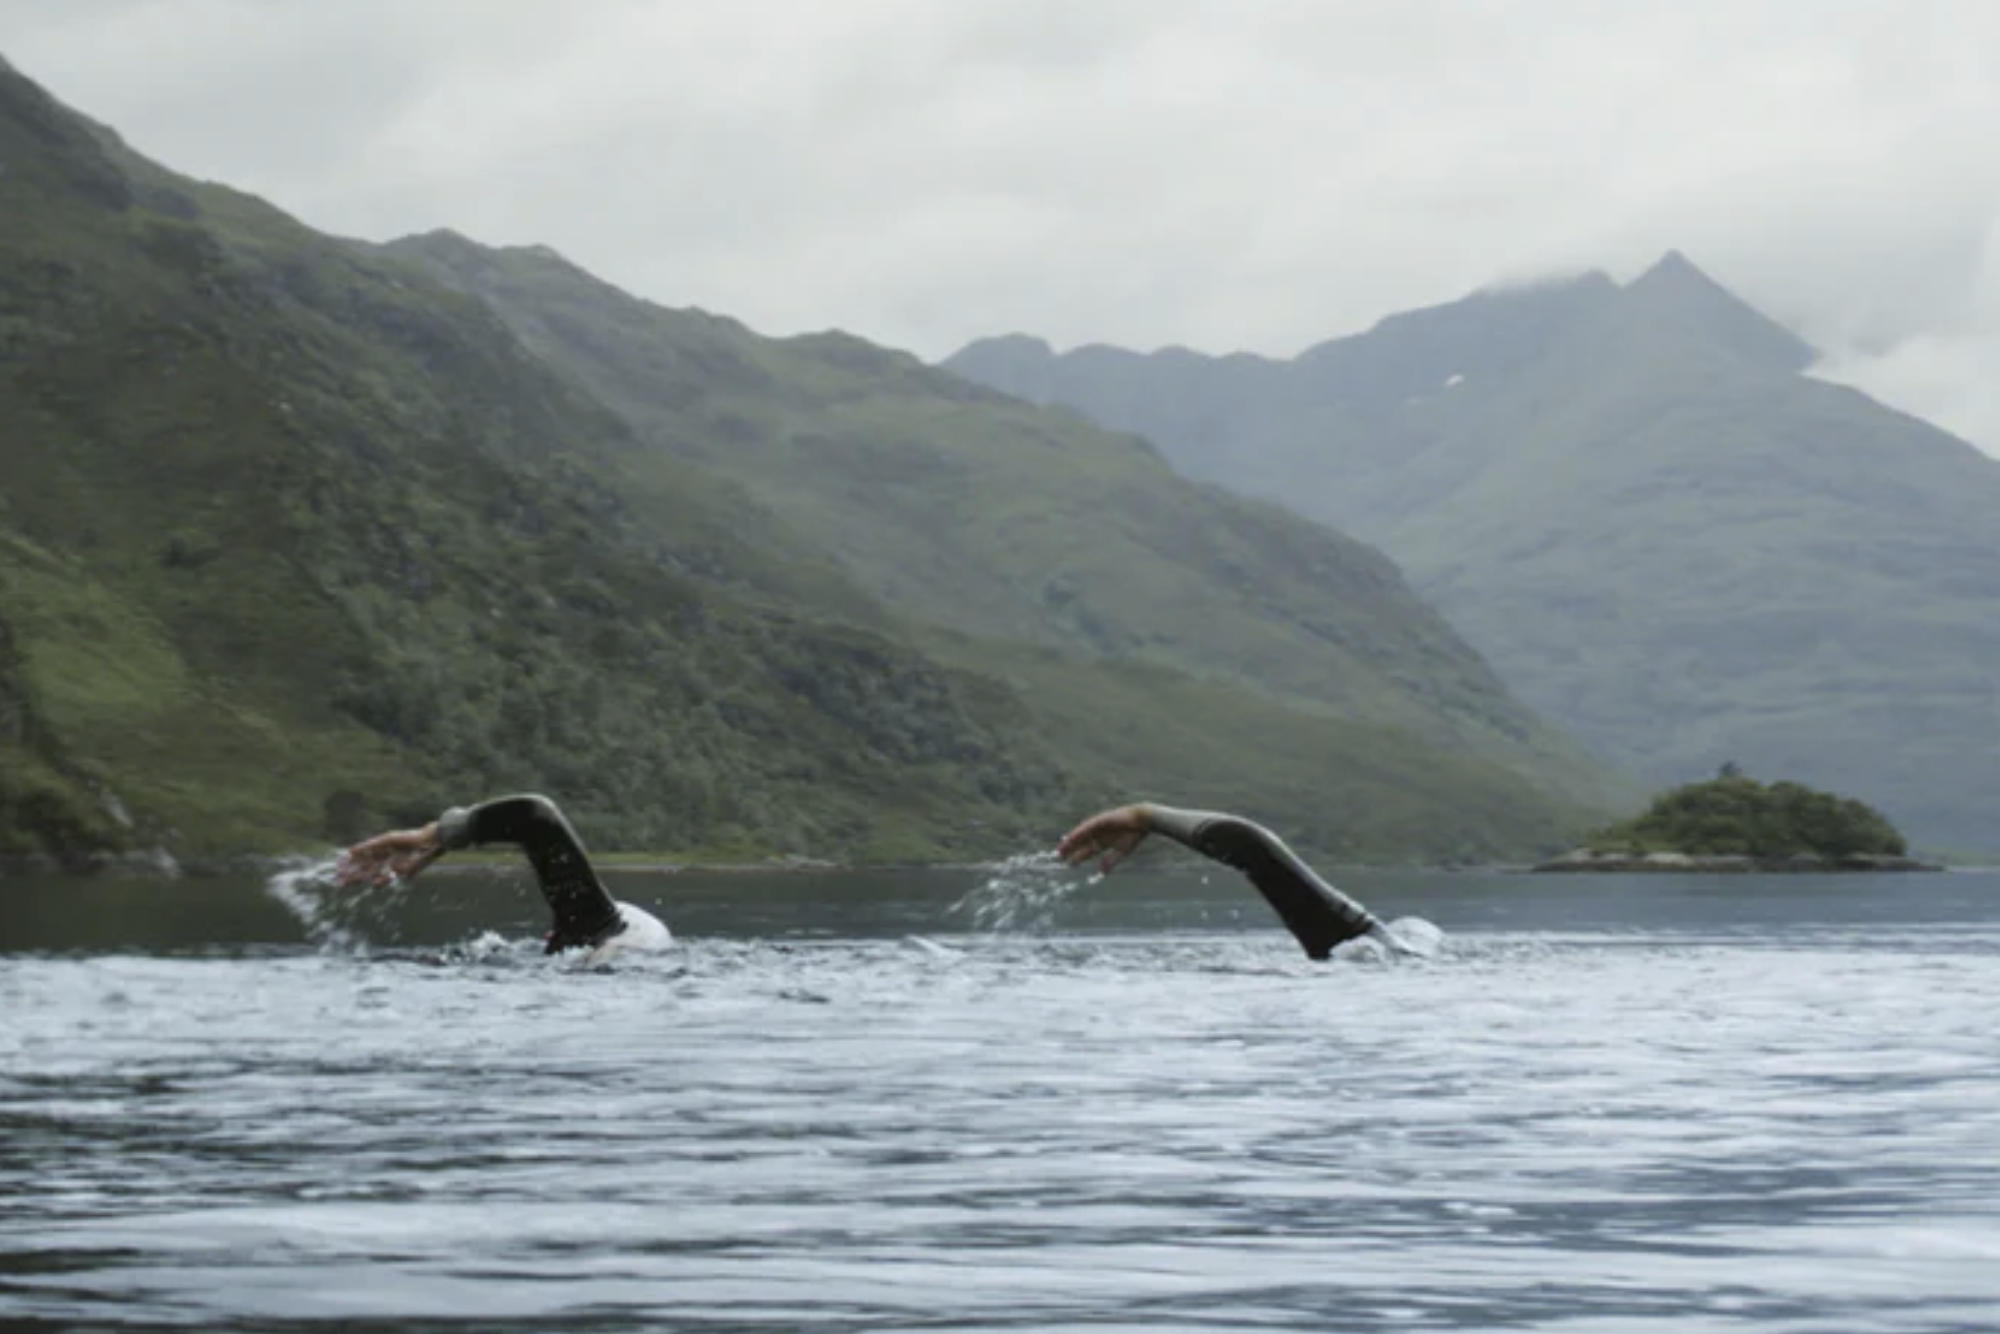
(586, 916)
(1319, 915)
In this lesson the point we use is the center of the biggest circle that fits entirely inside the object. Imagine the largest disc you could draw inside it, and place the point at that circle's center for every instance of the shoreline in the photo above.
(157, 863)
(1584, 860)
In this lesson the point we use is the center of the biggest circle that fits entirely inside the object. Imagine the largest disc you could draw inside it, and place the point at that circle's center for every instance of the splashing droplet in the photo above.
(331, 914)
(1021, 893)
(304, 890)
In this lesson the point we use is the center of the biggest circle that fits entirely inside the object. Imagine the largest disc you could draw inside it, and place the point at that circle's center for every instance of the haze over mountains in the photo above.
(1636, 502)
(300, 536)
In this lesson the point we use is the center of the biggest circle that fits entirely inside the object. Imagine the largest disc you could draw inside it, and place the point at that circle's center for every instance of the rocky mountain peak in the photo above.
(1675, 292)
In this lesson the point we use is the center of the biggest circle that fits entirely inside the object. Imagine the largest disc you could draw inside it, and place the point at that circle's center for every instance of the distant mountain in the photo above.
(299, 536)
(1639, 506)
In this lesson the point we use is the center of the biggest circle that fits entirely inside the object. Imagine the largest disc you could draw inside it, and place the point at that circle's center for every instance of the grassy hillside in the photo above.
(1632, 501)
(1345, 788)
(981, 515)
(298, 543)
(298, 539)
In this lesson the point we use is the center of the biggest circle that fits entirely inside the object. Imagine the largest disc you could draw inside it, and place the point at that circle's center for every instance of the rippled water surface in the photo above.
(1607, 1104)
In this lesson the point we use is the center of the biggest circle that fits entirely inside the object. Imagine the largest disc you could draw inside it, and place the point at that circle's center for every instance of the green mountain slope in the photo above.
(299, 537)
(296, 542)
(978, 515)
(1662, 533)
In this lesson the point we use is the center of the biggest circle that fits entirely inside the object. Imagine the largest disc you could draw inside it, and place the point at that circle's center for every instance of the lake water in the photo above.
(1606, 1104)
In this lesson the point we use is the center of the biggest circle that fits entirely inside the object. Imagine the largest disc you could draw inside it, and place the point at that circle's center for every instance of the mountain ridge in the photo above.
(1639, 504)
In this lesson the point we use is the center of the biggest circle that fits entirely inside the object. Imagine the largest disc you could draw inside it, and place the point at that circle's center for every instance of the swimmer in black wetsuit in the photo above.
(1319, 915)
(585, 914)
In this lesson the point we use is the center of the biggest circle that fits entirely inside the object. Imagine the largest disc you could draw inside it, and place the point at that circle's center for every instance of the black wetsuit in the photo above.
(585, 913)
(1314, 911)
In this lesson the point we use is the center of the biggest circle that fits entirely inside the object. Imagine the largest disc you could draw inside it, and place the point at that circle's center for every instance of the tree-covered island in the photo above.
(1732, 822)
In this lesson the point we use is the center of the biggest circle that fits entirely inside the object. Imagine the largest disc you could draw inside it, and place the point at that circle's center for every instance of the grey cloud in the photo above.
(1141, 171)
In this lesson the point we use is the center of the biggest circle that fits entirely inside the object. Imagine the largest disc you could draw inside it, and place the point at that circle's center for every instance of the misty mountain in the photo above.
(1640, 506)
(300, 536)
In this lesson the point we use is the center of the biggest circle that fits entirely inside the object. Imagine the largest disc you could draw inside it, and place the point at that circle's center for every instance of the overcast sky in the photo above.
(1234, 174)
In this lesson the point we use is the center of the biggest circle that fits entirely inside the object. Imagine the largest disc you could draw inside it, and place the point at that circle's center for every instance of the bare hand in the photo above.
(386, 858)
(1109, 836)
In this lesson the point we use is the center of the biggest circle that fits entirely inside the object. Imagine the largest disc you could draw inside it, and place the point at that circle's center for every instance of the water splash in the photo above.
(303, 889)
(1417, 937)
(334, 916)
(1022, 892)
(488, 947)
(1404, 938)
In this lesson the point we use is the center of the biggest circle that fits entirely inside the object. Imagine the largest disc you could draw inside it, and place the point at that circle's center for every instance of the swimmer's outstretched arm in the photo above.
(400, 854)
(1319, 915)
(585, 912)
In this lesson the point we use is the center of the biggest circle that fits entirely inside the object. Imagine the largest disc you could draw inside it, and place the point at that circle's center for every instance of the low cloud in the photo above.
(1201, 172)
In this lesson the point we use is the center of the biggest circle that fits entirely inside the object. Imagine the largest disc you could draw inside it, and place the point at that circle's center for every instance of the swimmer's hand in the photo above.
(387, 858)
(1108, 836)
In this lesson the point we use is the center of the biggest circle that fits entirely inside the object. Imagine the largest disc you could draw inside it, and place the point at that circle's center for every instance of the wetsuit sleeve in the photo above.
(585, 912)
(1319, 915)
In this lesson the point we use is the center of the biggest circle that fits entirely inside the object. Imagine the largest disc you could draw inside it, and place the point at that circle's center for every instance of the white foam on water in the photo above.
(1022, 892)
(1416, 936)
(487, 945)
(1404, 938)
